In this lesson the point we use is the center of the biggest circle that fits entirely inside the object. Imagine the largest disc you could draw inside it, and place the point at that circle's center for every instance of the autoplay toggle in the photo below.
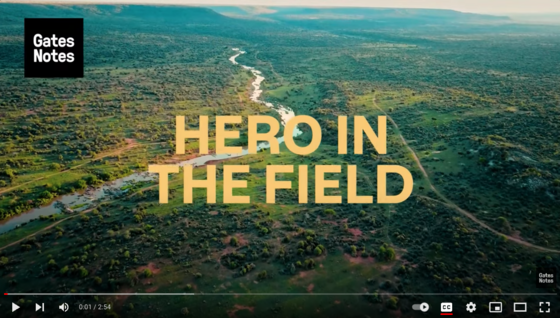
(423, 307)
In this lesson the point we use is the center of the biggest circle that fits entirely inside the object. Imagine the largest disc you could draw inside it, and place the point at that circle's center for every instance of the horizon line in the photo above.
(224, 3)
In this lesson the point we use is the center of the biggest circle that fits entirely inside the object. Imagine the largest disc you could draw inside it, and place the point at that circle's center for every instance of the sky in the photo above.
(477, 6)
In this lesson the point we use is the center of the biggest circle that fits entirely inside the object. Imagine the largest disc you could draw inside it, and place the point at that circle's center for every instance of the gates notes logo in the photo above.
(54, 48)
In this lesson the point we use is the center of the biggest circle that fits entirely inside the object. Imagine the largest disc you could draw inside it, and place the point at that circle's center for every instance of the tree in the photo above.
(10, 173)
(148, 273)
(392, 302)
(353, 251)
(234, 241)
(81, 184)
(262, 275)
(292, 269)
(64, 270)
(318, 251)
(386, 253)
(83, 272)
(51, 263)
(390, 254)
(468, 281)
(97, 280)
(436, 246)
(132, 277)
(504, 225)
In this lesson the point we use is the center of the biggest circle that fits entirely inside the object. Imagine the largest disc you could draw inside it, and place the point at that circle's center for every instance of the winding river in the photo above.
(84, 199)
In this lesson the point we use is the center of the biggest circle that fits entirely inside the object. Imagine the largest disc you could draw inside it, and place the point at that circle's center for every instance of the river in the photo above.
(84, 199)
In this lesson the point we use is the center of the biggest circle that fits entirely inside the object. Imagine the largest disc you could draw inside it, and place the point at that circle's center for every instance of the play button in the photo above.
(14, 307)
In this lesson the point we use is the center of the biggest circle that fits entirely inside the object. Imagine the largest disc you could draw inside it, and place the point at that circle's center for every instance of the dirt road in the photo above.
(450, 203)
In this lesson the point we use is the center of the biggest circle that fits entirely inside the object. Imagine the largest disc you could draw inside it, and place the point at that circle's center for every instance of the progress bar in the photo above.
(99, 294)
(279, 294)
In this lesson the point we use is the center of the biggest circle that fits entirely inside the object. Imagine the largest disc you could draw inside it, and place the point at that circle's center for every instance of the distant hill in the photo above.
(536, 18)
(170, 14)
(388, 16)
(235, 20)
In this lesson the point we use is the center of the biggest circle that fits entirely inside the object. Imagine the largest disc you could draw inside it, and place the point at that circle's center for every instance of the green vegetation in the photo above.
(478, 133)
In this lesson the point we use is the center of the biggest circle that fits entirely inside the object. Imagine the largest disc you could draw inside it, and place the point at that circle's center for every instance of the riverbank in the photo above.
(87, 199)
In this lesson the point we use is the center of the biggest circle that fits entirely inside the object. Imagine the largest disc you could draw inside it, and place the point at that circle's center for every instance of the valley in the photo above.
(472, 110)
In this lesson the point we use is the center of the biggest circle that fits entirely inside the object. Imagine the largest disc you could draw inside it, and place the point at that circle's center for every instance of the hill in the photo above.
(386, 16)
(116, 13)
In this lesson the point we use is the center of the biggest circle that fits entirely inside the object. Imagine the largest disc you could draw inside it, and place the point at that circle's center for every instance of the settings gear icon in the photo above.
(471, 307)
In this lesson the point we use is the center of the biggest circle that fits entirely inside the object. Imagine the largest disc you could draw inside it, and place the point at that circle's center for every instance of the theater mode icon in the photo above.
(519, 307)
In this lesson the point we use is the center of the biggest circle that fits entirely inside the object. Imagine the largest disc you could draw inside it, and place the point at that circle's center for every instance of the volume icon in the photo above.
(63, 307)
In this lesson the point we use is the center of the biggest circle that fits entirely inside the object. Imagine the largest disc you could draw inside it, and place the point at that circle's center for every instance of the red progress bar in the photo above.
(446, 314)
(5, 294)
